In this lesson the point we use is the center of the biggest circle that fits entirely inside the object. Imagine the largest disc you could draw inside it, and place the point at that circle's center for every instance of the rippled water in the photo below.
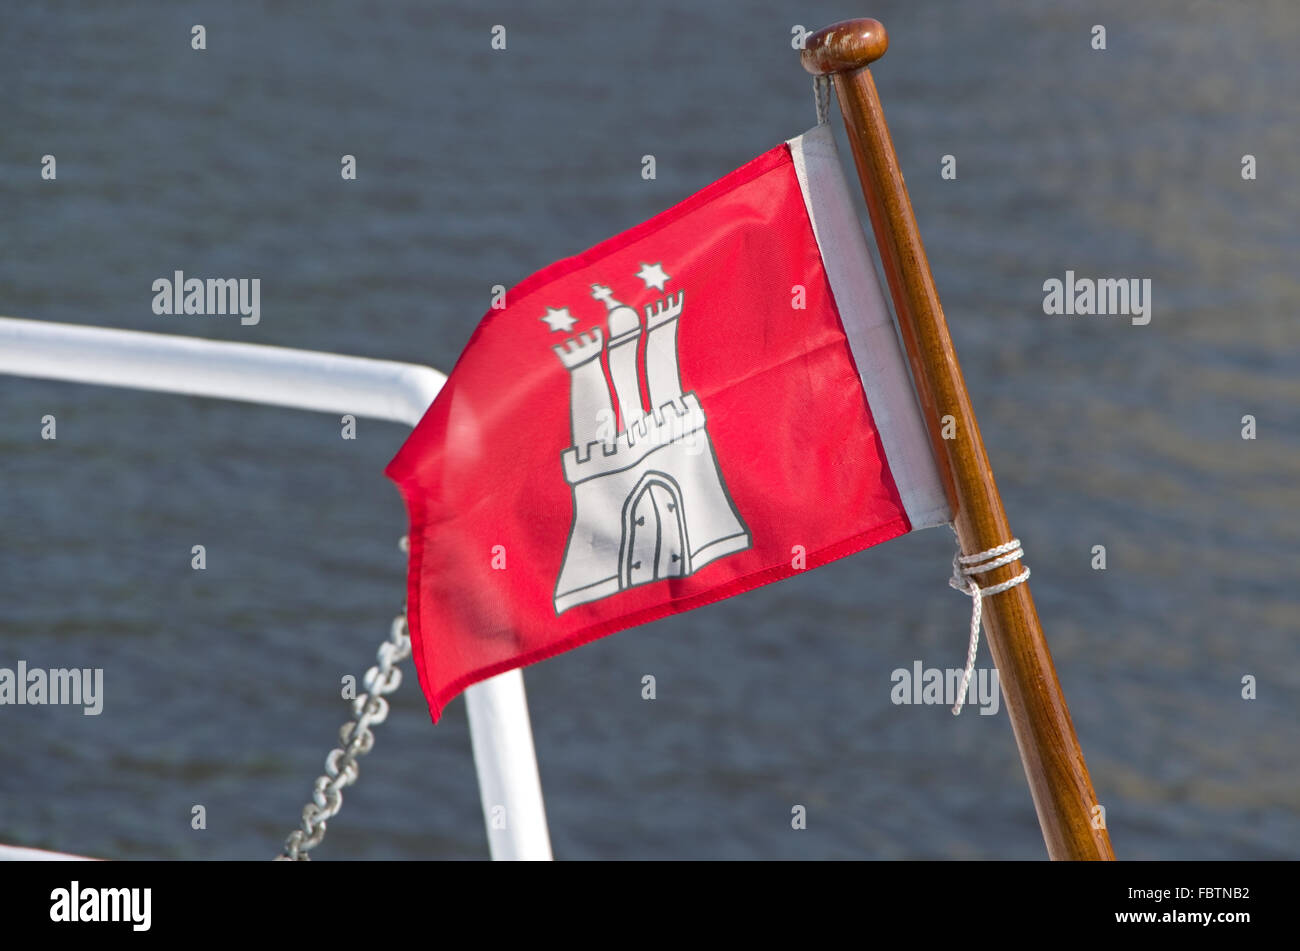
(477, 168)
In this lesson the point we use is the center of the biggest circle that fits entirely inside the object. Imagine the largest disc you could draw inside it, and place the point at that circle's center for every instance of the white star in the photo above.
(559, 319)
(653, 275)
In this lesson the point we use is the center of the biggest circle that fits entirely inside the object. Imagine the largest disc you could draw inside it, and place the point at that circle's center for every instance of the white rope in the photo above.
(963, 568)
(822, 98)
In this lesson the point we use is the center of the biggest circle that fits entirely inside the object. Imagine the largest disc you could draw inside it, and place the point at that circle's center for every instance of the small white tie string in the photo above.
(963, 568)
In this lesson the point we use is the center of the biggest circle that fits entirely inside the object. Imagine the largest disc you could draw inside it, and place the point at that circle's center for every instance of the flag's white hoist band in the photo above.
(964, 567)
(869, 328)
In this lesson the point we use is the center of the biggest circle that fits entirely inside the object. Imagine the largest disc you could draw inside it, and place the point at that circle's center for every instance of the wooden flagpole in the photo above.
(1054, 765)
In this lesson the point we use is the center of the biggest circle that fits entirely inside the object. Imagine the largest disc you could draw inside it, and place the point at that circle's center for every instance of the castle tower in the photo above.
(624, 334)
(589, 405)
(662, 376)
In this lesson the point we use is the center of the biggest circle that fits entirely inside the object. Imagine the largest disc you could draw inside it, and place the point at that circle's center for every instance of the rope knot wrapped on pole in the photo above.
(964, 567)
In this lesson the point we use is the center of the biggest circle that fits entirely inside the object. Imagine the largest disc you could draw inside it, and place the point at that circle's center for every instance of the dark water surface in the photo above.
(477, 168)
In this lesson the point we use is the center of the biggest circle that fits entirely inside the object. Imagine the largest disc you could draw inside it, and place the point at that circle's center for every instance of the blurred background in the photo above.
(477, 167)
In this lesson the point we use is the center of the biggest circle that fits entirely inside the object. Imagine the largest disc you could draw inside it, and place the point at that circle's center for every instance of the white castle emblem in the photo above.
(648, 500)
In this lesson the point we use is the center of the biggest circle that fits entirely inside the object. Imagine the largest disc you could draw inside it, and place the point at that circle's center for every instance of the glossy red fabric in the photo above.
(788, 436)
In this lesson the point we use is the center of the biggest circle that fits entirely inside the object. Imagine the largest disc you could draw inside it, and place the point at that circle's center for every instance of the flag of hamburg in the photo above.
(708, 402)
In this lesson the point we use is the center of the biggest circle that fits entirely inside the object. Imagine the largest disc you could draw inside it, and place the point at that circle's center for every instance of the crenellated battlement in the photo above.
(668, 424)
(578, 350)
(664, 310)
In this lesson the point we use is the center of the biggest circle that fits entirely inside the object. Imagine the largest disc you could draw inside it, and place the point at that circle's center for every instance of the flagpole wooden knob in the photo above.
(844, 46)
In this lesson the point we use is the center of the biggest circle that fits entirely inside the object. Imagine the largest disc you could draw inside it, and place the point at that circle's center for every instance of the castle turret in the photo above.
(624, 334)
(663, 379)
(589, 405)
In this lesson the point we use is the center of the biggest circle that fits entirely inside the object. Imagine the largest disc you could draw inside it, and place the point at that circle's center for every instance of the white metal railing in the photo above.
(16, 853)
(500, 731)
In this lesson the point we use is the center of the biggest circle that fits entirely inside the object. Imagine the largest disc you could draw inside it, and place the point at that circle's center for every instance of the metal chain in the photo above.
(341, 767)
(822, 98)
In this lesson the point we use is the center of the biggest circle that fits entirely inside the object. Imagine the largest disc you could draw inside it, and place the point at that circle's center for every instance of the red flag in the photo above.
(708, 402)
